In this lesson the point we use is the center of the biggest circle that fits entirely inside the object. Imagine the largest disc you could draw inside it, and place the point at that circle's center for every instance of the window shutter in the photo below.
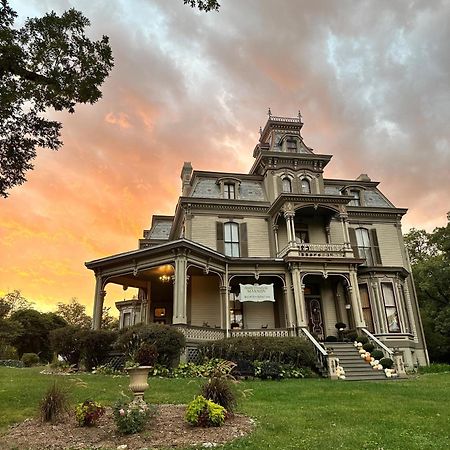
(243, 244)
(219, 237)
(375, 247)
(353, 242)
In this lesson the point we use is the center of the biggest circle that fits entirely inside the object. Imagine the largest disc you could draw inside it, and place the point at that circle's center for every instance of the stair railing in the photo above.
(327, 362)
(373, 338)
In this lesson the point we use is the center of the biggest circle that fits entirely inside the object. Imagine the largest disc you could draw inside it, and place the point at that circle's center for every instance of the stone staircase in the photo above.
(355, 368)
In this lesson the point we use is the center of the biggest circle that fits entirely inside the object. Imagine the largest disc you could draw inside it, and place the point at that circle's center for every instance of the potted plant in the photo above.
(340, 327)
(141, 358)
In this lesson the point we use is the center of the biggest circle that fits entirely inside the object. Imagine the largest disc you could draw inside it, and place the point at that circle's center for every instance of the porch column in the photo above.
(346, 234)
(149, 303)
(289, 303)
(179, 291)
(99, 297)
(224, 308)
(275, 233)
(356, 301)
(299, 297)
(289, 217)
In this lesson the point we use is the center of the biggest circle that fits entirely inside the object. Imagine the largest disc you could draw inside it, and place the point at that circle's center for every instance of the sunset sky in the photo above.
(371, 78)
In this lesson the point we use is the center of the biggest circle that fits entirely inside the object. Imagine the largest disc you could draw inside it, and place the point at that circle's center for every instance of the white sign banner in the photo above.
(256, 293)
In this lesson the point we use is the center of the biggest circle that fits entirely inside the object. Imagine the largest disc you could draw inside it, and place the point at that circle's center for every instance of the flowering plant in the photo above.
(88, 412)
(130, 417)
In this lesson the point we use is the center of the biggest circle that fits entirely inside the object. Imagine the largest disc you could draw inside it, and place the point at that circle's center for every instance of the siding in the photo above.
(336, 233)
(388, 241)
(258, 237)
(257, 314)
(204, 230)
(205, 301)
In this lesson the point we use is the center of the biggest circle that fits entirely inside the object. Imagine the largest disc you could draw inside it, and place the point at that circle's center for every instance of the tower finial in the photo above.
(300, 118)
(260, 131)
(269, 113)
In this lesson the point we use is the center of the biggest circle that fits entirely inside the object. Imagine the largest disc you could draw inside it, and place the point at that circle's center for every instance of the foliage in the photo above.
(350, 335)
(203, 5)
(289, 350)
(363, 339)
(210, 368)
(95, 344)
(48, 63)
(205, 413)
(147, 354)
(74, 313)
(65, 341)
(268, 370)
(340, 325)
(54, 404)
(220, 390)
(7, 351)
(368, 347)
(377, 354)
(36, 327)
(430, 259)
(30, 359)
(88, 413)
(387, 363)
(435, 368)
(105, 369)
(331, 339)
(10, 331)
(11, 363)
(168, 341)
(131, 417)
(11, 302)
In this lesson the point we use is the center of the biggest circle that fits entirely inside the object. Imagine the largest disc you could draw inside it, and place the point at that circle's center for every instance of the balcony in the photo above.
(311, 250)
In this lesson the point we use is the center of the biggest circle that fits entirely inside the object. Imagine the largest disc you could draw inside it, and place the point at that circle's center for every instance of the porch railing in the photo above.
(195, 333)
(375, 340)
(307, 249)
(276, 332)
(321, 354)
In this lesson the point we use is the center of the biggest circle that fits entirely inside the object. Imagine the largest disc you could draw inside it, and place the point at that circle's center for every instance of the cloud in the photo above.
(371, 80)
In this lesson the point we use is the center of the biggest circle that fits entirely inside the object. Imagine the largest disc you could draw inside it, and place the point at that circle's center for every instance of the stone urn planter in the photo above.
(138, 381)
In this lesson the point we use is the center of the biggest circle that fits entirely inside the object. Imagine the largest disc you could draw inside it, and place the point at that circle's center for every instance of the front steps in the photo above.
(356, 369)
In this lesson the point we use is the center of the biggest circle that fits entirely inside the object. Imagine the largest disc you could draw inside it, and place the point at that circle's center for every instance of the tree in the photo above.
(74, 313)
(36, 327)
(13, 301)
(203, 5)
(430, 258)
(108, 321)
(48, 63)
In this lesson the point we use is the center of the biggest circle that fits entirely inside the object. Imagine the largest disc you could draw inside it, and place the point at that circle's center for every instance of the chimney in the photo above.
(185, 176)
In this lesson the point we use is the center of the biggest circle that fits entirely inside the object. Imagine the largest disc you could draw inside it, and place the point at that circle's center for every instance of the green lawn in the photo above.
(291, 414)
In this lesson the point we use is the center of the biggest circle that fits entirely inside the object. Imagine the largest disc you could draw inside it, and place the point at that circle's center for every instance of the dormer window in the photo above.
(356, 201)
(229, 191)
(306, 186)
(287, 185)
(291, 145)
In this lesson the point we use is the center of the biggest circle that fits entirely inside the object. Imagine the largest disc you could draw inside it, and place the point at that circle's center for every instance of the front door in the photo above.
(315, 320)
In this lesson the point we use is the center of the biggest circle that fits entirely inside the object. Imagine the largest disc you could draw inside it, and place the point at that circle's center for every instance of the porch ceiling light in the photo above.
(164, 278)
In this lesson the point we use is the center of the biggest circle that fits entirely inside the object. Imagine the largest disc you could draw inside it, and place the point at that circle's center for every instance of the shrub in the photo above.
(205, 413)
(168, 341)
(88, 412)
(95, 344)
(65, 341)
(331, 339)
(377, 354)
(210, 368)
(435, 368)
(268, 370)
(8, 351)
(12, 363)
(362, 339)
(30, 359)
(369, 347)
(131, 417)
(288, 350)
(340, 325)
(219, 390)
(54, 404)
(350, 335)
(387, 363)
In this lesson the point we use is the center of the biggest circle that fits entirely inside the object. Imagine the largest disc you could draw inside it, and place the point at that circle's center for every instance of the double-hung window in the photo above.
(287, 185)
(390, 308)
(363, 243)
(229, 191)
(231, 239)
(306, 186)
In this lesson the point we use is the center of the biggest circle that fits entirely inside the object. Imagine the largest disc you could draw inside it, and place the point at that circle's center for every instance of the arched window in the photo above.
(363, 243)
(231, 239)
(356, 198)
(291, 145)
(306, 186)
(229, 191)
(287, 185)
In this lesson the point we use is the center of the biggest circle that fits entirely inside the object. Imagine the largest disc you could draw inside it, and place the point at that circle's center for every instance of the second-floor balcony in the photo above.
(313, 250)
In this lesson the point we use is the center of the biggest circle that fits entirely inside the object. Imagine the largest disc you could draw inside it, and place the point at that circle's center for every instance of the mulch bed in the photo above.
(166, 430)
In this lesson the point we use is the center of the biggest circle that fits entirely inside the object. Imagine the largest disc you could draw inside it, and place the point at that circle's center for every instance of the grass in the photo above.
(291, 414)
